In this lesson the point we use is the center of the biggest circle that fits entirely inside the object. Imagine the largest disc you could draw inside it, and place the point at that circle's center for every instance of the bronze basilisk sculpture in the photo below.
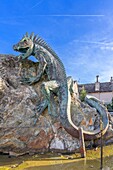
(50, 63)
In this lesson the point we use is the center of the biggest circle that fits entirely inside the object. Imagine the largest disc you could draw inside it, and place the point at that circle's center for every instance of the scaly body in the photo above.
(50, 63)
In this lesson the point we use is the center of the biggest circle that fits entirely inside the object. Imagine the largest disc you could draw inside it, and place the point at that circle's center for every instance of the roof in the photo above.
(104, 87)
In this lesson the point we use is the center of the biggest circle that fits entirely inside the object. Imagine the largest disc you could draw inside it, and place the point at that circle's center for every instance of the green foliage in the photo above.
(110, 106)
(83, 94)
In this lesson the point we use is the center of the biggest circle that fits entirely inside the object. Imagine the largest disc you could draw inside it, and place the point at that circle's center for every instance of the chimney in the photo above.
(111, 80)
(97, 83)
(97, 78)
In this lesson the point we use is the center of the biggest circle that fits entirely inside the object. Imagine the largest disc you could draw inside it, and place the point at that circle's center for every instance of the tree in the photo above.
(110, 106)
(83, 94)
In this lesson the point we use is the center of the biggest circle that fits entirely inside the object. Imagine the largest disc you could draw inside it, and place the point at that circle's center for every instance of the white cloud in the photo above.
(87, 59)
(106, 48)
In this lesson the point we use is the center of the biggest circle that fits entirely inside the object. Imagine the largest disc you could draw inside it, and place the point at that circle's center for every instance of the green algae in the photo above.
(62, 162)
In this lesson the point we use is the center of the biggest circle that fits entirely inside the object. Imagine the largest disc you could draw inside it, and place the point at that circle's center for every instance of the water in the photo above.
(53, 163)
(59, 162)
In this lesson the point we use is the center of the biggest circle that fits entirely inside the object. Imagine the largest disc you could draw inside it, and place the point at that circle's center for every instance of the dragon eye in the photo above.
(25, 41)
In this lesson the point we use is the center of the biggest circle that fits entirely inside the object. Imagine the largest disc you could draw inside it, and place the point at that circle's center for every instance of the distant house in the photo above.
(102, 91)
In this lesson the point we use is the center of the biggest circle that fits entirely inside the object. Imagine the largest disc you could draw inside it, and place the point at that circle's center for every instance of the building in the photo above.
(102, 91)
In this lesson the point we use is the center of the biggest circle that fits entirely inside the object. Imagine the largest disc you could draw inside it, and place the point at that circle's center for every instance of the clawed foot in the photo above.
(36, 119)
(39, 109)
(28, 81)
(25, 81)
(22, 57)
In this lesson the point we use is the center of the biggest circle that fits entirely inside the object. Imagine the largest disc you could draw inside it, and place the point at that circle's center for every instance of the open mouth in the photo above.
(21, 49)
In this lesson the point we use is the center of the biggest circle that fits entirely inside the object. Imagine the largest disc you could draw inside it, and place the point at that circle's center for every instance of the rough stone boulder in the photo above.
(20, 131)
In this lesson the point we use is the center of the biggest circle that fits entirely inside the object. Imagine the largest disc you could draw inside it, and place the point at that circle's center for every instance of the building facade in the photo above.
(103, 91)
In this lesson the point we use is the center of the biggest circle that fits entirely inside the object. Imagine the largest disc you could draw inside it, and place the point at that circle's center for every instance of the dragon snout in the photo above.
(15, 47)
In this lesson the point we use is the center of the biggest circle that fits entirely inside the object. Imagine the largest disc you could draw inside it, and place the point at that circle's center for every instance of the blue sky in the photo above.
(79, 31)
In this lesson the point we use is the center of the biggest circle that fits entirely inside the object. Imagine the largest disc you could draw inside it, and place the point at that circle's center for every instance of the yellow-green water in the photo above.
(55, 162)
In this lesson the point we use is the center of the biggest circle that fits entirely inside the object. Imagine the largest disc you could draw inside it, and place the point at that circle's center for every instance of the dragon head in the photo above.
(26, 44)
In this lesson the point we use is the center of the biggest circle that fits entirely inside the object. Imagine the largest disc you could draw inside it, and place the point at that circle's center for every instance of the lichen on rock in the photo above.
(20, 131)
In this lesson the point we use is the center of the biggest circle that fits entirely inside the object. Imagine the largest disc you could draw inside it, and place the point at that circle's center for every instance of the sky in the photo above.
(79, 31)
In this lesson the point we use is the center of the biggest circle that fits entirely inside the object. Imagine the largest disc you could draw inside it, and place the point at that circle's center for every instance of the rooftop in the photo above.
(104, 87)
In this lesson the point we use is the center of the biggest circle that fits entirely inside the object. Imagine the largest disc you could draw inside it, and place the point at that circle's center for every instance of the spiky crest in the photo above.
(38, 40)
(42, 43)
(35, 37)
(27, 35)
(32, 36)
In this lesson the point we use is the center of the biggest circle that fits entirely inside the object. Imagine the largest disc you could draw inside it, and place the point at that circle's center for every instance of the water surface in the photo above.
(54, 161)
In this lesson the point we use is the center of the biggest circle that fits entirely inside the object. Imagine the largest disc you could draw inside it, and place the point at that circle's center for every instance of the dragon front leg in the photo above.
(39, 109)
(40, 72)
(48, 88)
